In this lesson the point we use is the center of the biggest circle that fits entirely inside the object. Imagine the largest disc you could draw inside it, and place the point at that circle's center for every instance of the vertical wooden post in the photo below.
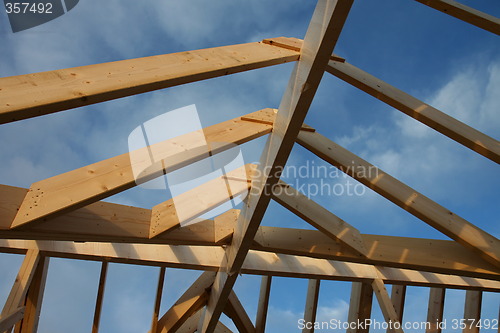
(100, 295)
(360, 306)
(159, 292)
(265, 291)
(311, 304)
(34, 297)
(472, 310)
(398, 295)
(435, 309)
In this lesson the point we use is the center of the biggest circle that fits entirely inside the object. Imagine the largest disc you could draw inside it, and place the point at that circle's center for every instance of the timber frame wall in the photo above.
(64, 217)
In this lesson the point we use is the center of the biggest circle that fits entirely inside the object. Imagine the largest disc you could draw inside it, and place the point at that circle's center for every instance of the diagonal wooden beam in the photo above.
(193, 299)
(386, 305)
(191, 204)
(209, 258)
(319, 217)
(466, 14)
(450, 224)
(7, 321)
(22, 283)
(34, 298)
(420, 111)
(235, 310)
(32, 95)
(323, 32)
(74, 189)
(411, 106)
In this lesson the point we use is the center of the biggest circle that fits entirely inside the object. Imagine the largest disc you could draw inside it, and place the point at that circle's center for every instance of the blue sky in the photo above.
(445, 62)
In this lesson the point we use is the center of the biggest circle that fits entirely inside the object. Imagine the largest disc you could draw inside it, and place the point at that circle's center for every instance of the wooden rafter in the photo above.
(311, 307)
(411, 106)
(32, 95)
(34, 298)
(235, 310)
(466, 14)
(386, 305)
(319, 217)
(159, 292)
(188, 304)
(323, 32)
(450, 224)
(74, 189)
(472, 311)
(418, 110)
(17, 294)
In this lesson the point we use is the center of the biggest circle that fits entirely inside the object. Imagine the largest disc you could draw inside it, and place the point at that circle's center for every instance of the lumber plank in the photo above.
(411, 106)
(235, 310)
(435, 310)
(32, 95)
(77, 188)
(193, 299)
(100, 296)
(265, 292)
(398, 296)
(450, 224)
(319, 217)
(360, 306)
(210, 258)
(465, 13)
(23, 280)
(112, 223)
(386, 305)
(34, 298)
(159, 292)
(420, 111)
(191, 204)
(7, 321)
(323, 32)
(311, 306)
(472, 310)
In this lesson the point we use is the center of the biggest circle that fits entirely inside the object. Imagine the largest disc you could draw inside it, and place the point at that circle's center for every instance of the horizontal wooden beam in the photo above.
(209, 258)
(319, 217)
(113, 223)
(466, 14)
(77, 188)
(420, 111)
(450, 224)
(32, 95)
